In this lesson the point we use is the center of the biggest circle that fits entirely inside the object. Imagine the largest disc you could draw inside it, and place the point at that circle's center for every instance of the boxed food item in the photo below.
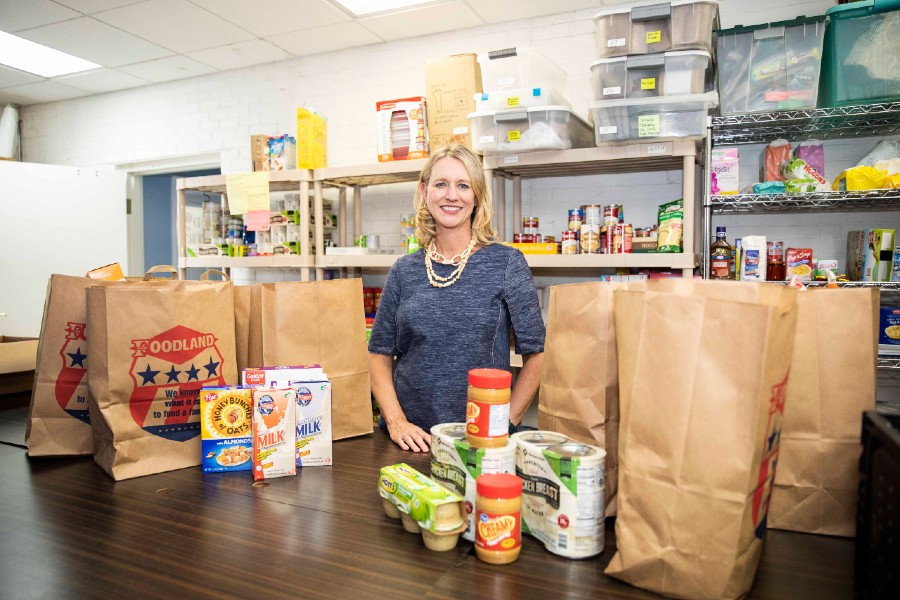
(402, 129)
(274, 433)
(770, 67)
(895, 264)
(870, 255)
(889, 330)
(724, 172)
(450, 84)
(312, 139)
(226, 416)
(111, 272)
(282, 153)
(859, 63)
(645, 76)
(648, 29)
(799, 262)
(651, 119)
(534, 247)
(536, 128)
(824, 265)
(671, 226)
(512, 68)
(313, 422)
(753, 258)
(259, 152)
(280, 375)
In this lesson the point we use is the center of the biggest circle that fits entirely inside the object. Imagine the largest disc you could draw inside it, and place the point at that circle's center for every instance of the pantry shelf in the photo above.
(650, 260)
(826, 123)
(227, 262)
(888, 362)
(818, 201)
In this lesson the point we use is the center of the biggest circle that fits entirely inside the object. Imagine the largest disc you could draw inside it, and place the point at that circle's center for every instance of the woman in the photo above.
(449, 307)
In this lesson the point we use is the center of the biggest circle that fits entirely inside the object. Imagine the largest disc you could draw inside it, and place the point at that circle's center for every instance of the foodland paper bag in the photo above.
(152, 347)
(833, 380)
(319, 322)
(579, 393)
(58, 421)
(702, 375)
(242, 330)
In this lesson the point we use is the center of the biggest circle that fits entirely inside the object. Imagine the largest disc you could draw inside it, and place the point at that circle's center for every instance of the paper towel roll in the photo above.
(9, 132)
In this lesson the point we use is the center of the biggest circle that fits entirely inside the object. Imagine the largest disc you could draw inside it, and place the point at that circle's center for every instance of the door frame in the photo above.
(135, 196)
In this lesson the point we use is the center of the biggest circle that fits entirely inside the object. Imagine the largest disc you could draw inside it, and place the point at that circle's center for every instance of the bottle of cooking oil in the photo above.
(720, 256)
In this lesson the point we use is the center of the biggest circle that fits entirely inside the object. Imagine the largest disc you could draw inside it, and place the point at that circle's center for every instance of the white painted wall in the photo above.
(218, 113)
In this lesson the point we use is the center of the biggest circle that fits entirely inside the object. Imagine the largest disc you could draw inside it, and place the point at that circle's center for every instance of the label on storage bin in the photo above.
(657, 149)
(654, 36)
(460, 130)
(608, 129)
(648, 125)
(486, 139)
(512, 101)
(507, 80)
(615, 42)
(612, 90)
(511, 160)
(514, 136)
(648, 83)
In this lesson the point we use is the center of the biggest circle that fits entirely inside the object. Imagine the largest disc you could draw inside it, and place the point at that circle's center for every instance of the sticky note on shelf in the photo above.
(247, 192)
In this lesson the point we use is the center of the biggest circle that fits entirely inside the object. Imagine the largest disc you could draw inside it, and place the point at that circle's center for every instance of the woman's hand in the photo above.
(409, 436)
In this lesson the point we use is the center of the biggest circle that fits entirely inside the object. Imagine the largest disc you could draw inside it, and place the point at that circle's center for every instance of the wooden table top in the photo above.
(69, 531)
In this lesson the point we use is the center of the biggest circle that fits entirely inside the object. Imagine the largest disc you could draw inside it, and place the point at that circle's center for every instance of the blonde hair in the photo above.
(482, 230)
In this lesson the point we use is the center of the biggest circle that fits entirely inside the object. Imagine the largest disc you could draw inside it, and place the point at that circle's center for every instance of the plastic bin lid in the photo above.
(527, 91)
(796, 22)
(710, 99)
(494, 113)
(862, 8)
(669, 54)
(628, 8)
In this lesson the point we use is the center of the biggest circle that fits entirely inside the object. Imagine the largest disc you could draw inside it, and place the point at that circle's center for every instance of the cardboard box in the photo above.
(450, 84)
(259, 152)
(313, 421)
(111, 272)
(226, 417)
(870, 255)
(274, 433)
(889, 330)
(402, 129)
(534, 247)
(312, 140)
(282, 153)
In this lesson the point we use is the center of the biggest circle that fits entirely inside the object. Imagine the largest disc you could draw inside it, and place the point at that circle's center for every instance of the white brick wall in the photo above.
(217, 114)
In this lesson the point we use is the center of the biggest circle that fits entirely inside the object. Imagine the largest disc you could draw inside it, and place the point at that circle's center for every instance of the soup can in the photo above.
(530, 225)
(569, 243)
(624, 237)
(610, 214)
(592, 214)
(517, 238)
(590, 238)
(576, 218)
(608, 239)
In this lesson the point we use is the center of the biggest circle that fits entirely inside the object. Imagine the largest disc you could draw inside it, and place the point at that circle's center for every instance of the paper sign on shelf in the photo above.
(247, 192)
(258, 220)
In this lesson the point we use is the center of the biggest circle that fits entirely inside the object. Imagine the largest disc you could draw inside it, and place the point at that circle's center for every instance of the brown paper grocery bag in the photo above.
(579, 394)
(58, 421)
(703, 371)
(320, 322)
(833, 380)
(152, 347)
(242, 325)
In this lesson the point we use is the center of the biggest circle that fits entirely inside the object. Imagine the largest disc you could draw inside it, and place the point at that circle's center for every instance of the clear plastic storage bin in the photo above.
(861, 54)
(651, 119)
(770, 67)
(649, 75)
(517, 68)
(519, 98)
(654, 28)
(536, 128)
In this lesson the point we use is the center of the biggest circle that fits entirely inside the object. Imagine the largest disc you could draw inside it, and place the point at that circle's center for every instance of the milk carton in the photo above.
(225, 429)
(274, 435)
(313, 422)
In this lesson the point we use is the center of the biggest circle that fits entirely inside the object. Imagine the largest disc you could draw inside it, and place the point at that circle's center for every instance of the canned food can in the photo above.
(590, 238)
(538, 238)
(620, 212)
(576, 218)
(610, 214)
(456, 465)
(530, 225)
(548, 239)
(592, 214)
(624, 237)
(371, 241)
(608, 239)
(569, 243)
(527, 238)
(517, 238)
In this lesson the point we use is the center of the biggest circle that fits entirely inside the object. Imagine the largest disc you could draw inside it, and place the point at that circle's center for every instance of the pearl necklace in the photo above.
(457, 260)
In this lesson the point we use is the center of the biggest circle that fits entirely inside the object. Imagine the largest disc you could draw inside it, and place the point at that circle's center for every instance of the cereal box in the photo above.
(274, 435)
(799, 262)
(226, 414)
(878, 255)
(889, 330)
(313, 422)
(281, 376)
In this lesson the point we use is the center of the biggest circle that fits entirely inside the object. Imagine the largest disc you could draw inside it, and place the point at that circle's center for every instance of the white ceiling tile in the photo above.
(422, 20)
(89, 7)
(325, 39)
(499, 11)
(44, 91)
(16, 15)
(279, 16)
(10, 77)
(98, 42)
(167, 69)
(99, 81)
(242, 54)
(174, 24)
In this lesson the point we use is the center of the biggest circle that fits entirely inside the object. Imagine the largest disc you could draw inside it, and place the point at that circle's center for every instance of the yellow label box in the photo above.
(312, 140)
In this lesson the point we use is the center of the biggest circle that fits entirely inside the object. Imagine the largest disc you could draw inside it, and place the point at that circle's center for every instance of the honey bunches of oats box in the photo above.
(225, 429)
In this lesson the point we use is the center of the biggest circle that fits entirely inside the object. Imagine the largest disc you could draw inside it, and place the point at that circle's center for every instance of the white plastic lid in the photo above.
(491, 113)
(627, 9)
(710, 99)
(670, 54)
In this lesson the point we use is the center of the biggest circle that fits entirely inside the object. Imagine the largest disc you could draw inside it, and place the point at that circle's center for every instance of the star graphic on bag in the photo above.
(77, 357)
(149, 375)
(173, 375)
(211, 367)
(193, 372)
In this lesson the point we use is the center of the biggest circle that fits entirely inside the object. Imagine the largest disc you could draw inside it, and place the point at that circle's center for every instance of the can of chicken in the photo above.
(456, 465)
(530, 465)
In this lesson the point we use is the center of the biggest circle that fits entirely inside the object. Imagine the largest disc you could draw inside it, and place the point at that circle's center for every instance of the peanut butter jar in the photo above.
(487, 411)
